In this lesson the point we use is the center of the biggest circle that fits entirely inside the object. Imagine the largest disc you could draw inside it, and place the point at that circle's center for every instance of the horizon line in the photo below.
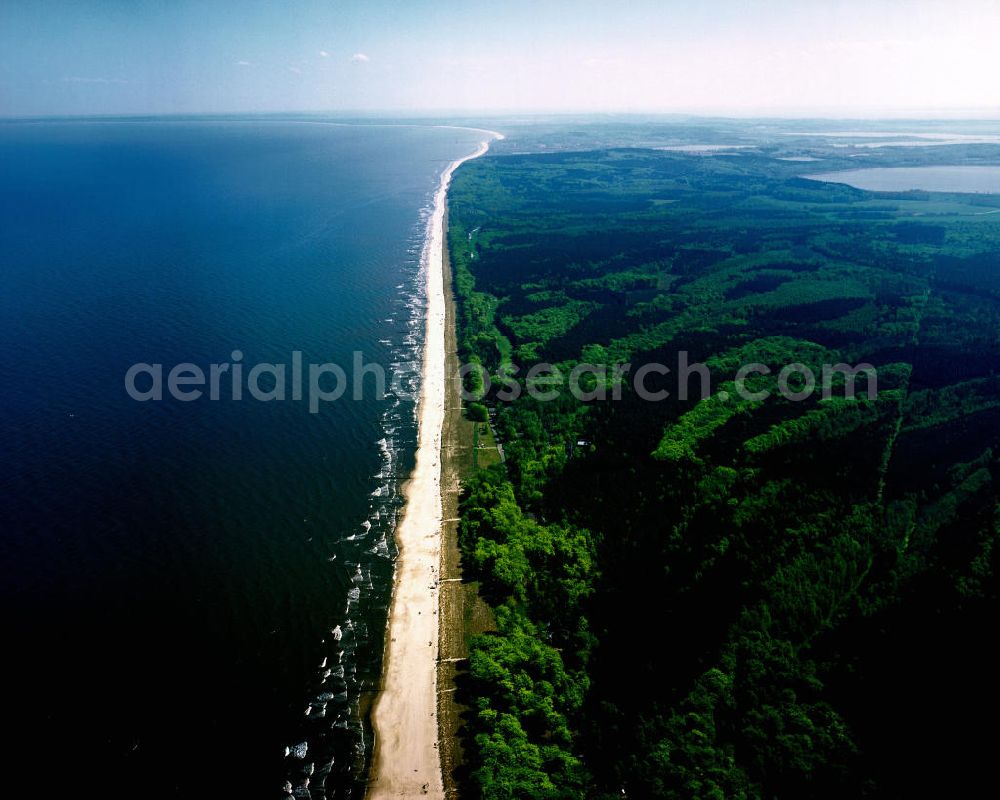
(978, 114)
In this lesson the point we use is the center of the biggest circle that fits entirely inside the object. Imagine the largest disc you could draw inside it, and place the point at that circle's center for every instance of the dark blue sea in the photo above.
(172, 572)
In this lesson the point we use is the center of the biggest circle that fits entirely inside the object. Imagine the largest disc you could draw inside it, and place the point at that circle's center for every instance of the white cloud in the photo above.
(324, 54)
(296, 70)
(242, 63)
(360, 58)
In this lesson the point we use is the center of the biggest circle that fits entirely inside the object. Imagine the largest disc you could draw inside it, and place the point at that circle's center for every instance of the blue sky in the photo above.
(851, 56)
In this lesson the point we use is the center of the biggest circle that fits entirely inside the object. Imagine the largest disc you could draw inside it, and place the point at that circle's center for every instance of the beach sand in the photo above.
(406, 761)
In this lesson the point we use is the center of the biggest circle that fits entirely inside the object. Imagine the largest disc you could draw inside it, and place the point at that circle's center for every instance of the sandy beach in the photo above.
(406, 760)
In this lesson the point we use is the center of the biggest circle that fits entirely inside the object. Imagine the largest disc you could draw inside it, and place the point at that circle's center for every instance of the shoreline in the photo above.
(406, 760)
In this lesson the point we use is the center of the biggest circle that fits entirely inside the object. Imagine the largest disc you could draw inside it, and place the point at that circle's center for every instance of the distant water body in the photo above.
(961, 179)
(172, 573)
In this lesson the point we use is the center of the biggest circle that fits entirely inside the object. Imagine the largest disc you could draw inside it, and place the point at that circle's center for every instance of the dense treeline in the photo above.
(720, 597)
(530, 678)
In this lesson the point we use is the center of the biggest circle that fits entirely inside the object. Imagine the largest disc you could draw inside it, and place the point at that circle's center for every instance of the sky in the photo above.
(823, 57)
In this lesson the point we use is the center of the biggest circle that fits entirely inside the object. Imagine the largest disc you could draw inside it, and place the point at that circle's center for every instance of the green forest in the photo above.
(715, 598)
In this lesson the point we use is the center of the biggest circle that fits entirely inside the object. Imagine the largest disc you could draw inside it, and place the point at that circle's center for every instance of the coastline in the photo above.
(406, 761)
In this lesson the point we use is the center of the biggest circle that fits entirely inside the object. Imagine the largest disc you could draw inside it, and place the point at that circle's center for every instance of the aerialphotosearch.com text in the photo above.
(316, 384)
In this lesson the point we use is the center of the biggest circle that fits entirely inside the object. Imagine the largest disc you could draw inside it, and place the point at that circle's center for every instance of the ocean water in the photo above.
(195, 593)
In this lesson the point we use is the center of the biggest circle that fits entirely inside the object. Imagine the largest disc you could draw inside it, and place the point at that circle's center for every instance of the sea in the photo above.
(195, 589)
